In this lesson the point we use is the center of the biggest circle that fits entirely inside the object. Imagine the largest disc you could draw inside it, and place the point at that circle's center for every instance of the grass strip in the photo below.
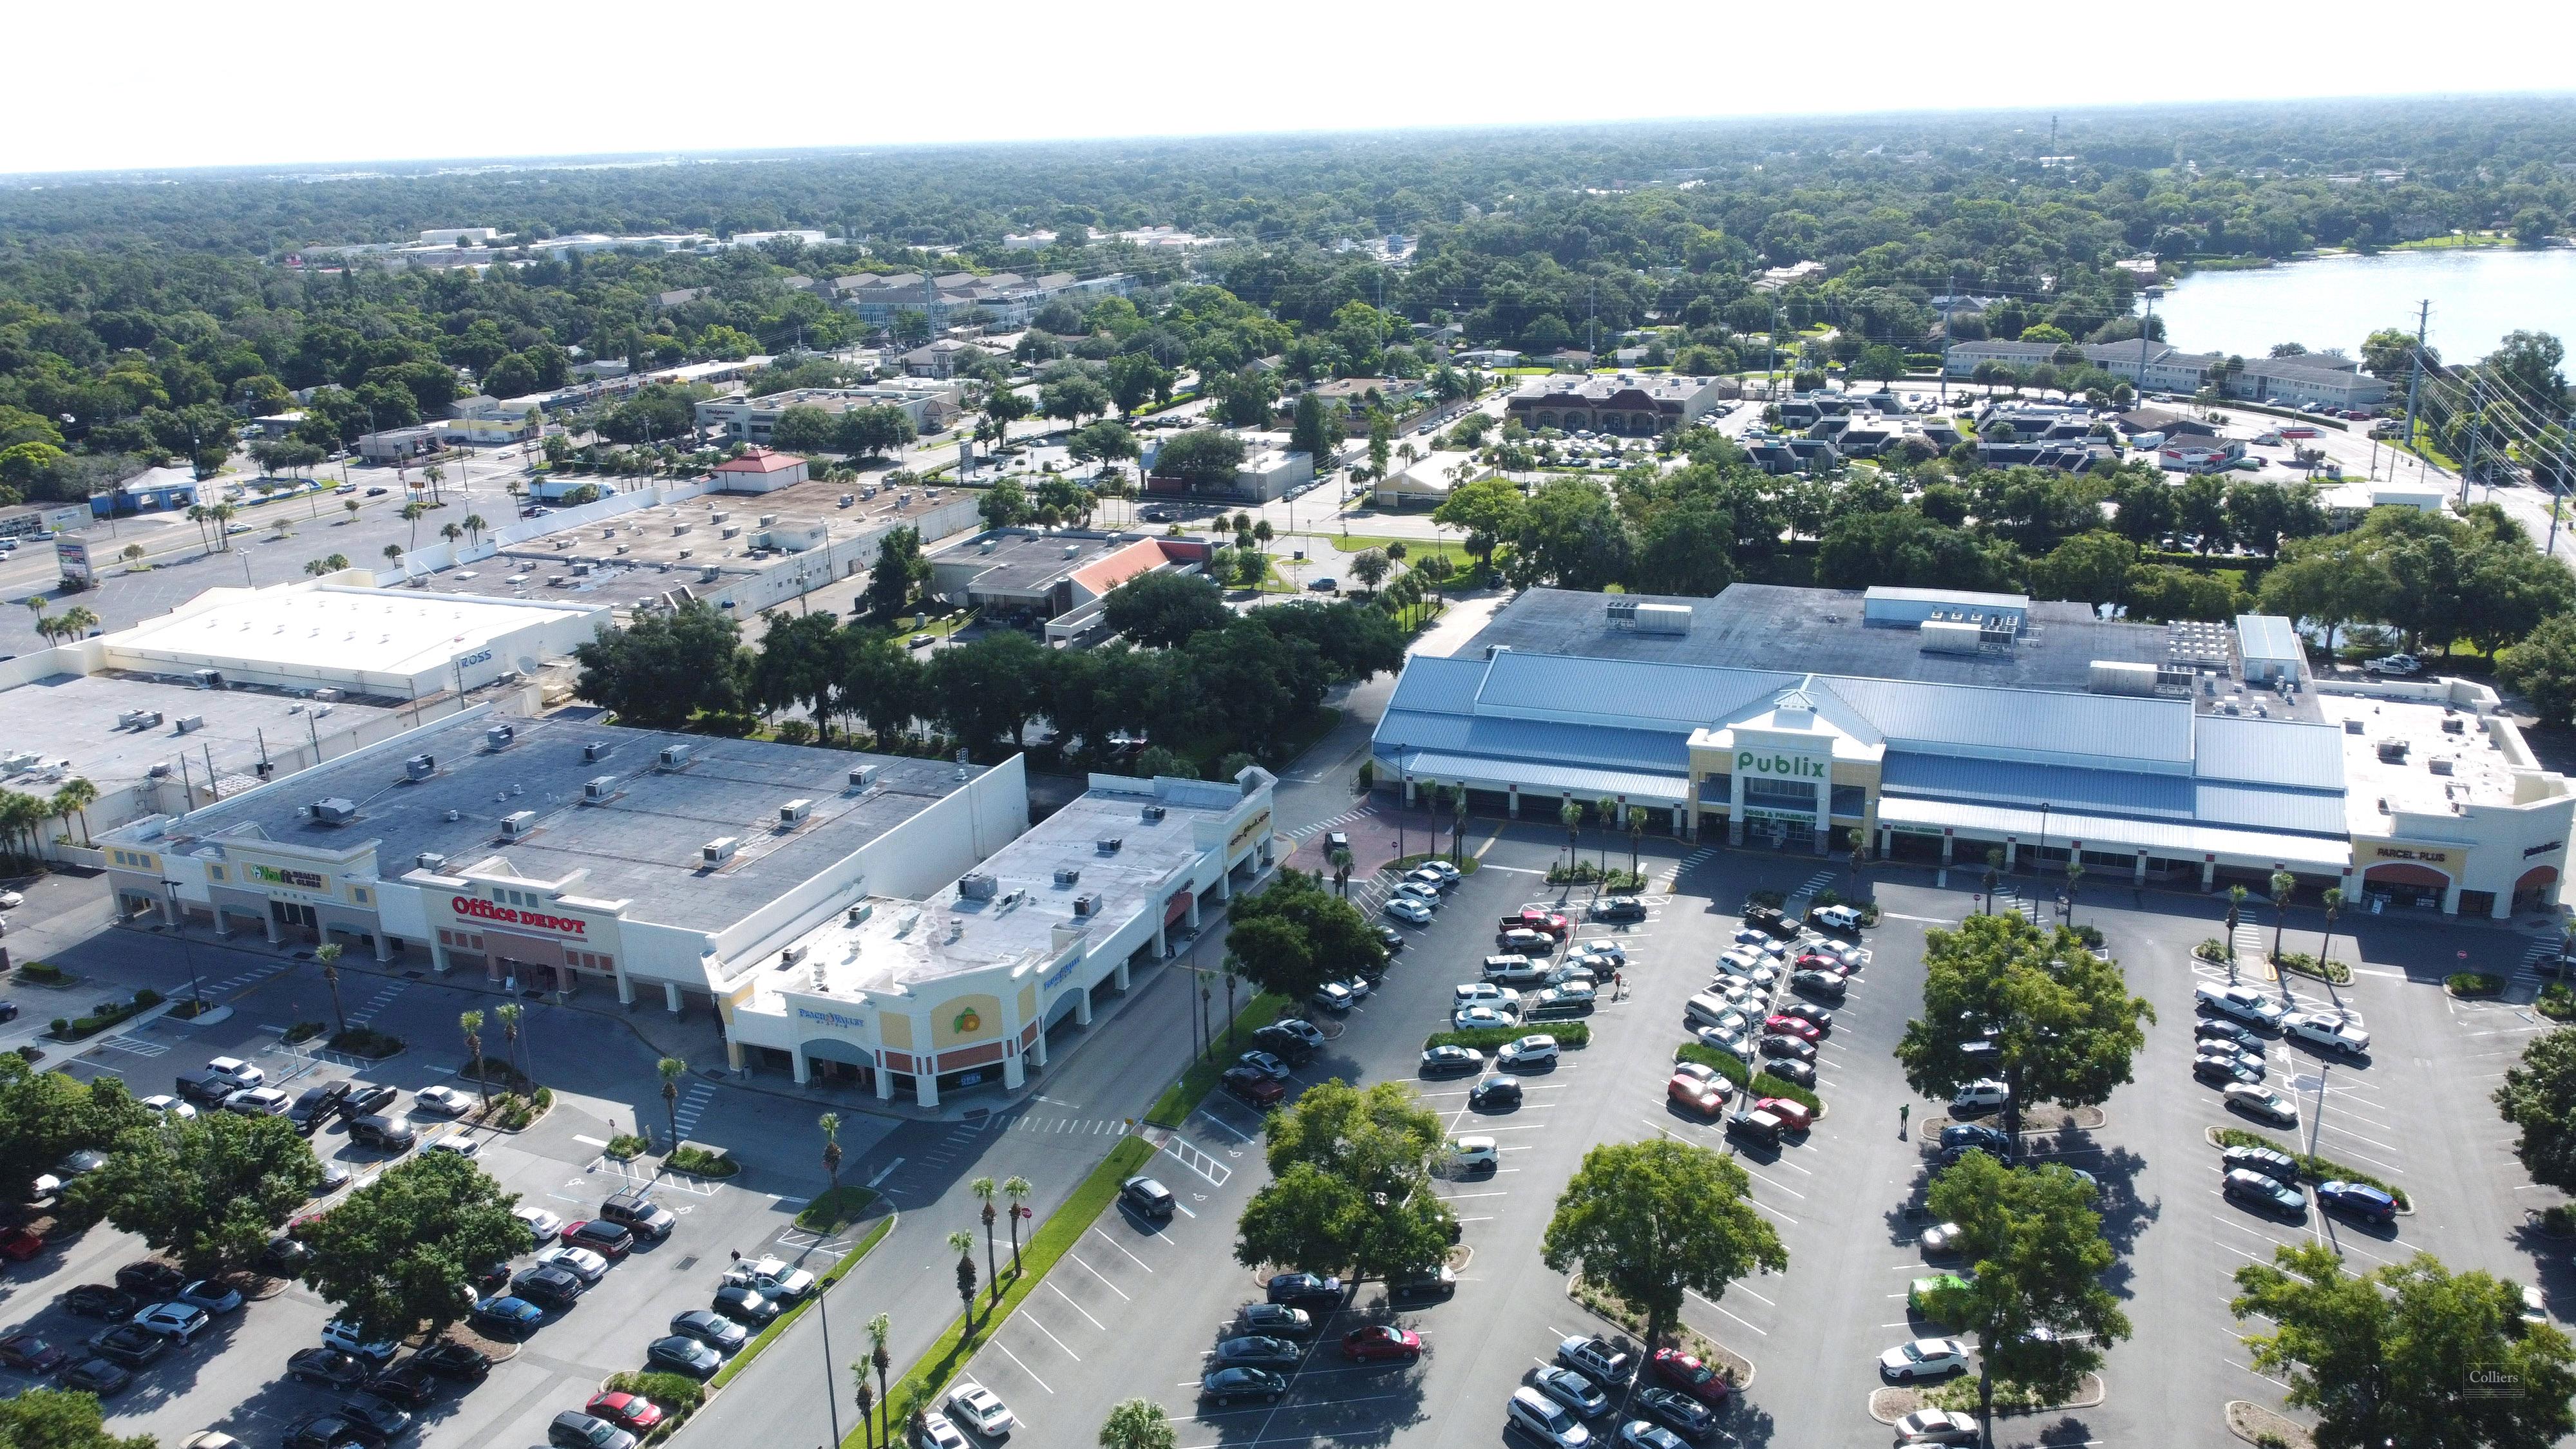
(1571, 1035)
(1760, 1084)
(836, 1206)
(920, 1385)
(2311, 1167)
(1183, 1097)
(831, 1275)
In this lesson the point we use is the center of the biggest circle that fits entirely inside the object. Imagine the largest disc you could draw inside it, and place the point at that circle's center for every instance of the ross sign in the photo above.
(303, 880)
(480, 656)
(1791, 767)
(1247, 830)
(832, 1019)
(482, 909)
(71, 555)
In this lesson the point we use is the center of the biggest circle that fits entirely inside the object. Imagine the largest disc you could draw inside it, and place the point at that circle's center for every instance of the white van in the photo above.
(1511, 970)
(1706, 1009)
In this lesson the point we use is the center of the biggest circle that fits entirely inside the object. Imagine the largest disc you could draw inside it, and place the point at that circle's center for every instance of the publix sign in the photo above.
(1794, 767)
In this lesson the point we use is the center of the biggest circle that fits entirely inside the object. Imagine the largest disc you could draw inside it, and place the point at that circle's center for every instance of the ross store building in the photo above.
(1943, 726)
(956, 988)
(559, 853)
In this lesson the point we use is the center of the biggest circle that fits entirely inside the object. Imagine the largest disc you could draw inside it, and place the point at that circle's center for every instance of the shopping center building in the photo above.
(1945, 726)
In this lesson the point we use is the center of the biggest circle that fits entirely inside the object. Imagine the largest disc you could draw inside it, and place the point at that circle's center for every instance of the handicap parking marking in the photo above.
(1198, 1161)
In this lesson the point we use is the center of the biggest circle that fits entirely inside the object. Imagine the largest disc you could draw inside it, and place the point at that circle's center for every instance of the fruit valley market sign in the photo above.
(482, 909)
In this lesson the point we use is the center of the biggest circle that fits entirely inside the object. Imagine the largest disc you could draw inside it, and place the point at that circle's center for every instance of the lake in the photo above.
(2478, 296)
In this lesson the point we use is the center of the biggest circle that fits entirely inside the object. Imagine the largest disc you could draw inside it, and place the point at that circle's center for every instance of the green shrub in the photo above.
(1571, 1035)
(2090, 935)
(43, 973)
(2559, 1221)
(303, 1031)
(2556, 1001)
(678, 1395)
(366, 1041)
(2474, 983)
(1772, 900)
(627, 1144)
(2311, 1167)
(2306, 965)
(1760, 1084)
(2212, 950)
(700, 1162)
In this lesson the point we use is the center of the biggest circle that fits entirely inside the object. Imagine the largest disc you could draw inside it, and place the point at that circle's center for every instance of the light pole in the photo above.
(823, 1310)
(187, 951)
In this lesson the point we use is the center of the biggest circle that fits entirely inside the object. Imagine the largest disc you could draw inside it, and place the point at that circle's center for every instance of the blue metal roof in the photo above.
(2025, 721)
(1587, 785)
(1625, 692)
(2164, 797)
(2268, 751)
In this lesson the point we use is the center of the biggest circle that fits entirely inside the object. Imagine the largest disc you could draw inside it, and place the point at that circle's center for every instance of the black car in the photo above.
(333, 1430)
(1276, 1320)
(1229, 1384)
(1391, 938)
(679, 1355)
(2213, 1029)
(1284, 1044)
(407, 1383)
(366, 1099)
(96, 1376)
(1796, 1074)
(548, 1286)
(1443, 1061)
(452, 1360)
(316, 1104)
(97, 1300)
(1495, 1092)
(130, 1344)
(284, 1257)
(2220, 1072)
(376, 1416)
(1676, 1411)
(2281, 1167)
(2358, 1200)
(153, 1281)
(328, 1367)
(1790, 1048)
(710, 1328)
(2257, 1191)
(1255, 1351)
(746, 1305)
(1619, 908)
(1812, 1014)
(1306, 1290)
(1976, 1134)
(1824, 984)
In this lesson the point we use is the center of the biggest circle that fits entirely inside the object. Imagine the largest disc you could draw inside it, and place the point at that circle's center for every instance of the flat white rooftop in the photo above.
(2439, 774)
(335, 630)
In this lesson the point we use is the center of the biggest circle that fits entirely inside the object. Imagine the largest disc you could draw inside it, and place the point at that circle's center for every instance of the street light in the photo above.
(179, 924)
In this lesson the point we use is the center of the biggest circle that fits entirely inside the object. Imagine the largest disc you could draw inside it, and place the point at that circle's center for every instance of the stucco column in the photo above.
(625, 989)
(1194, 910)
(1825, 815)
(733, 1054)
(671, 997)
(2012, 852)
(1516, 802)
(1162, 941)
(884, 1081)
(1037, 1048)
(1118, 974)
(268, 924)
(1082, 1004)
(2141, 877)
(797, 1064)
(1014, 1074)
(925, 1089)
(1225, 885)
(1408, 790)
(2451, 898)
(384, 944)
(1681, 820)
(2208, 872)
(1735, 808)
(169, 912)
(1949, 846)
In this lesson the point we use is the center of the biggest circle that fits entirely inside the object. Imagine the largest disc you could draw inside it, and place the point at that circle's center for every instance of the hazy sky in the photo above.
(196, 84)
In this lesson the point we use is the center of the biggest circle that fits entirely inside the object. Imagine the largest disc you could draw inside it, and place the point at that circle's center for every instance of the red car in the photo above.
(18, 1245)
(1794, 1116)
(1378, 1341)
(606, 1239)
(1699, 1088)
(632, 1412)
(1546, 923)
(1815, 961)
(1692, 1377)
(1797, 1026)
(29, 1354)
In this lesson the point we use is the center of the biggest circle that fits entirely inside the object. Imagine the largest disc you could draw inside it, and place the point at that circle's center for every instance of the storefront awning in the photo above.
(2176, 840)
(1582, 782)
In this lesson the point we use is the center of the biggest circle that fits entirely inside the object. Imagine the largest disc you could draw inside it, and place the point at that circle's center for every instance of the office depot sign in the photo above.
(480, 909)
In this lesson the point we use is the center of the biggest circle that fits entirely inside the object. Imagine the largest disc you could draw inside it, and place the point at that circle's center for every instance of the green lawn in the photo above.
(2445, 243)
(830, 1276)
(920, 1386)
(1415, 549)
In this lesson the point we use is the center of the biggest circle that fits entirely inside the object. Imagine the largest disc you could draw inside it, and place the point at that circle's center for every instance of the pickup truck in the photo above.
(2327, 1030)
(206, 1088)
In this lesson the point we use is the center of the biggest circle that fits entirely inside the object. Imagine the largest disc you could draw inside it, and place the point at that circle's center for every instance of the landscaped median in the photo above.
(1759, 1084)
(2311, 1167)
(1183, 1097)
(779, 1325)
(1574, 1036)
(921, 1385)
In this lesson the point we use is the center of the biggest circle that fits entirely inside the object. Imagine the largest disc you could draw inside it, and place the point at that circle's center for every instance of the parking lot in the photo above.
(1845, 1198)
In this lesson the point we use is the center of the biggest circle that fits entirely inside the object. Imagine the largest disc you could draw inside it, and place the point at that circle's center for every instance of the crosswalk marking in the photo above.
(1692, 861)
(1815, 883)
(137, 1045)
(691, 1103)
(1303, 832)
(2541, 960)
(382, 999)
(250, 977)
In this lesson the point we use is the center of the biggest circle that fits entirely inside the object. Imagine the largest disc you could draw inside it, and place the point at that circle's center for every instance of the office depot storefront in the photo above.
(518, 933)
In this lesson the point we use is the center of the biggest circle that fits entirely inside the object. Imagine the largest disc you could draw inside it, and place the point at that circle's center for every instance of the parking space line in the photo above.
(1042, 1328)
(1078, 1308)
(1122, 1247)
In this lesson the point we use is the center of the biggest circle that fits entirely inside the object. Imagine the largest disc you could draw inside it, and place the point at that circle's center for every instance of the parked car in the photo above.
(2243, 1003)
(367, 1098)
(452, 1360)
(1408, 910)
(720, 1329)
(129, 1344)
(258, 1102)
(1691, 1376)
(2256, 1190)
(633, 1413)
(1980, 1096)
(682, 1355)
(2265, 1103)
(1529, 1052)
(773, 1278)
(329, 1367)
(1598, 1359)
(1823, 984)
(981, 1409)
(209, 1295)
(1333, 996)
(1494, 1093)
(1254, 1088)
(1471, 1154)
(384, 1134)
(96, 1376)
(1380, 1343)
(1258, 1352)
(1450, 1061)
(2357, 1199)
(1937, 1426)
(1305, 1290)
(441, 1101)
(27, 1353)
(149, 1279)
(2327, 1029)
(573, 1429)
(505, 1317)
(1226, 1385)
(543, 1227)
(606, 1239)
(1148, 1199)
(1674, 1411)
(1275, 1320)
(1550, 1422)
(548, 1286)
(1618, 908)
(241, 1074)
(2392, 663)
(1572, 1390)
(1924, 1358)
(315, 1105)
(1699, 1087)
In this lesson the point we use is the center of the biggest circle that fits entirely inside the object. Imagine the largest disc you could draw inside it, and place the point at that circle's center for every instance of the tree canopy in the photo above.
(1650, 1220)
(1350, 1191)
(403, 1250)
(2035, 1256)
(2037, 1011)
(665, 668)
(210, 1190)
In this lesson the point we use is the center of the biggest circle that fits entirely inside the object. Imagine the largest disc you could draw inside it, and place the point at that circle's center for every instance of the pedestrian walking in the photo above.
(1903, 1111)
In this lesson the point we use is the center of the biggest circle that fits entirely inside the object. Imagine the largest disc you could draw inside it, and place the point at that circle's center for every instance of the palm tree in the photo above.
(1636, 837)
(75, 798)
(509, 1013)
(671, 1070)
(1571, 815)
(471, 1023)
(76, 621)
(1137, 1424)
(962, 1243)
(1230, 979)
(1606, 811)
(452, 532)
(1017, 1189)
(2282, 884)
(2074, 876)
(329, 955)
(985, 1190)
(197, 516)
(1994, 877)
(2333, 899)
(1458, 824)
(474, 525)
(412, 514)
(393, 553)
(880, 1329)
(436, 475)
(830, 1122)
(221, 516)
(867, 1400)
(2235, 915)
(1342, 873)
(1860, 853)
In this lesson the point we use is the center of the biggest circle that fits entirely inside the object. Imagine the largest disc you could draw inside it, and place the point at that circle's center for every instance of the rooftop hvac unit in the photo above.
(2392, 751)
(2352, 727)
(337, 810)
(518, 823)
(208, 678)
(556, 581)
(581, 570)
(1663, 618)
(977, 886)
(1109, 844)
(2113, 677)
(862, 776)
(1155, 812)
(138, 719)
(1942, 636)
(859, 913)
(328, 696)
(191, 723)
(595, 751)
(709, 573)
(419, 767)
(598, 788)
(2439, 764)
(1087, 904)
(732, 530)
(792, 954)
(767, 519)
(674, 756)
(1073, 550)
(795, 811)
(498, 737)
(718, 851)
(1066, 875)
(430, 860)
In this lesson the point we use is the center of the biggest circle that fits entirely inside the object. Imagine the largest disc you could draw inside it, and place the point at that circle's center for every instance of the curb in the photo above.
(2288, 1428)
(2210, 1134)
(1887, 1405)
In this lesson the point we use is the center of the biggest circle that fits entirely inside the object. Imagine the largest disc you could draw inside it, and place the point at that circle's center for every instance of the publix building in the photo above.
(1945, 726)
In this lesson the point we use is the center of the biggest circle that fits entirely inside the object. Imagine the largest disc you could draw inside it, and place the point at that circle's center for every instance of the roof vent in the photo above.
(594, 752)
(977, 886)
(419, 767)
(859, 913)
(518, 824)
(336, 810)
(1155, 812)
(718, 851)
(674, 756)
(1087, 904)
(795, 811)
(498, 737)
(1109, 844)
(1066, 875)
(792, 954)
(862, 776)
(191, 723)
(430, 860)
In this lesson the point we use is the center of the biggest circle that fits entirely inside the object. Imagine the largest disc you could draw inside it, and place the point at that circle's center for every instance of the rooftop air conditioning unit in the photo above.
(1155, 812)
(1087, 904)
(977, 887)
(2439, 764)
(862, 776)
(795, 811)
(1066, 875)
(430, 860)
(419, 767)
(767, 519)
(208, 678)
(792, 954)
(598, 788)
(191, 723)
(136, 719)
(674, 756)
(859, 913)
(518, 824)
(328, 696)
(498, 737)
(594, 752)
(718, 851)
(337, 810)
(1109, 844)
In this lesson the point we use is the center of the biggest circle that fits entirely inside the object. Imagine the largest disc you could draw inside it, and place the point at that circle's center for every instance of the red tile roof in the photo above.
(761, 460)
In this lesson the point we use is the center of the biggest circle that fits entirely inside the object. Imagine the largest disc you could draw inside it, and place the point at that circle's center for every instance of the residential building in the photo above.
(939, 359)
(1004, 299)
(931, 403)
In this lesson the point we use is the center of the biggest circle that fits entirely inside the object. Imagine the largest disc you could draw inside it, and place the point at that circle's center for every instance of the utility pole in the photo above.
(2415, 377)
(2146, 326)
(2477, 425)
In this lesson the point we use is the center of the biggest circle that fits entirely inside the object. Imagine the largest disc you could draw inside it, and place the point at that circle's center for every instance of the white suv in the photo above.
(240, 1074)
(1552, 1422)
(2327, 1029)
